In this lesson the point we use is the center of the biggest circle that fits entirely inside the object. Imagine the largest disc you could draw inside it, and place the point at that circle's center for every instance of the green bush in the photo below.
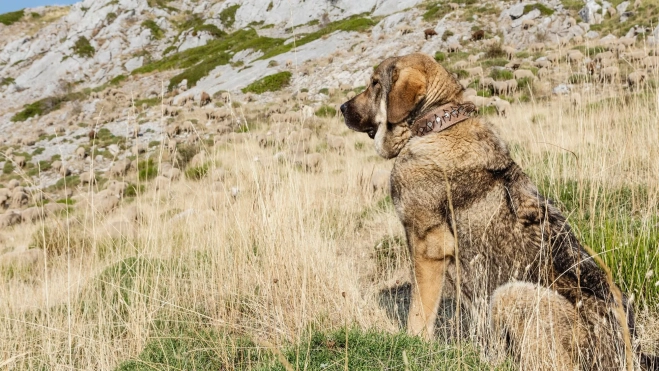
(83, 48)
(197, 172)
(156, 32)
(324, 91)
(111, 17)
(326, 111)
(6, 81)
(8, 168)
(10, 18)
(146, 170)
(228, 15)
(447, 34)
(525, 83)
(274, 82)
(498, 74)
(440, 57)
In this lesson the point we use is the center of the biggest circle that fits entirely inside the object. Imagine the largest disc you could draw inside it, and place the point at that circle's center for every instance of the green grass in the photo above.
(356, 23)
(228, 15)
(118, 79)
(607, 224)
(12, 17)
(198, 62)
(494, 62)
(45, 106)
(161, 4)
(192, 345)
(440, 57)
(156, 32)
(146, 170)
(501, 75)
(83, 49)
(542, 8)
(111, 17)
(197, 172)
(274, 82)
(435, 11)
(6, 81)
(326, 111)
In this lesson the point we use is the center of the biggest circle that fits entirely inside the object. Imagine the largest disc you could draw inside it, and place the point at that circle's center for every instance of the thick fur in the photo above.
(475, 222)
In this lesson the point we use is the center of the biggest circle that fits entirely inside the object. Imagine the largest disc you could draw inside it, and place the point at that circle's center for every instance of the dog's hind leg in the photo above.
(539, 325)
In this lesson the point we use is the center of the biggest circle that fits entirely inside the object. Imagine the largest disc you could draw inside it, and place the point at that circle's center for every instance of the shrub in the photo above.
(498, 74)
(185, 153)
(8, 168)
(111, 17)
(447, 34)
(326, 111)
(273, 63)
(269, 83)
(197, 172)
(156, 32)
(324, 91)
(83, 48)
(495, 51)
(440, 57)
(525, 83)
(10, 18)
(146, 170)
(228, 15)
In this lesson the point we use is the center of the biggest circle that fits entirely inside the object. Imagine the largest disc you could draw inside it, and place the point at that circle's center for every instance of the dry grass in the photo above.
(296, 252)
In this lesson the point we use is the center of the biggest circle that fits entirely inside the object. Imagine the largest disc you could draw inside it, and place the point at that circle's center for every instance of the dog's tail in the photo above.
(649, 362)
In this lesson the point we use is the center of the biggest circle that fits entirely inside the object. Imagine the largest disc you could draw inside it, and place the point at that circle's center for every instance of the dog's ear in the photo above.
(408, 87)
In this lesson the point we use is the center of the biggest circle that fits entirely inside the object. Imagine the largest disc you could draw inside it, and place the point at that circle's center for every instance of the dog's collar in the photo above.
(443, 118)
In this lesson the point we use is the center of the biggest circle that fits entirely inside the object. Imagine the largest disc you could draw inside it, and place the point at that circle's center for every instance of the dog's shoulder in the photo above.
(468, 146)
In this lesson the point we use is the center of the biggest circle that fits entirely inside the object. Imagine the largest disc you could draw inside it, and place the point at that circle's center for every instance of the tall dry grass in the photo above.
(273, 251)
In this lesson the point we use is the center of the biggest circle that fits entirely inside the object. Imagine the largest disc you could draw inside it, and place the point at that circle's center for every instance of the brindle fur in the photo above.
(512, 249)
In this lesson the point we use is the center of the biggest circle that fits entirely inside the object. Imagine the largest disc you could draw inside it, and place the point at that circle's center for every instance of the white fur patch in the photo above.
(381, 134)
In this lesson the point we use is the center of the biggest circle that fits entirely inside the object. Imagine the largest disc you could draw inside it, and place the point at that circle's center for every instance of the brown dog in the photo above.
(476, 223)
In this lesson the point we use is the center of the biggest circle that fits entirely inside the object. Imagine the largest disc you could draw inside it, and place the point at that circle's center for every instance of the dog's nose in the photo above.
(344, 107)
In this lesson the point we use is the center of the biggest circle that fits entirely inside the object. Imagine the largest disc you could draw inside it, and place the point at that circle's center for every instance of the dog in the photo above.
(476, 225)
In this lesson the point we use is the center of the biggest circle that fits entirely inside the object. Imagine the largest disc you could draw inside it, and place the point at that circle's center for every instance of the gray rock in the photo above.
(561, 89)
(515, 11)
(134, 63)
(622, 7)
(587, 13)
(592, 34)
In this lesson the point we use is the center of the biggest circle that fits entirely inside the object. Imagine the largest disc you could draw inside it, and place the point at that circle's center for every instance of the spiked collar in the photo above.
(442, 118)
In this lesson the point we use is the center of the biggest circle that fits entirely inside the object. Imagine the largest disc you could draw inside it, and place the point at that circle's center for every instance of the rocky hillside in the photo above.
(86, 89)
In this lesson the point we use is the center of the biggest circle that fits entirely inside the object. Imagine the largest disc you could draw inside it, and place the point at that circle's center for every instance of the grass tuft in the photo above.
(274, 82)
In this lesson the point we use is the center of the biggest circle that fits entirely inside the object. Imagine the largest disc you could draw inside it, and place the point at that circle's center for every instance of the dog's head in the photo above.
(401, 89)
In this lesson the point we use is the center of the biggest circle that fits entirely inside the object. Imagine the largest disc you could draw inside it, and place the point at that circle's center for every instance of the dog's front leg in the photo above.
(430, 252)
